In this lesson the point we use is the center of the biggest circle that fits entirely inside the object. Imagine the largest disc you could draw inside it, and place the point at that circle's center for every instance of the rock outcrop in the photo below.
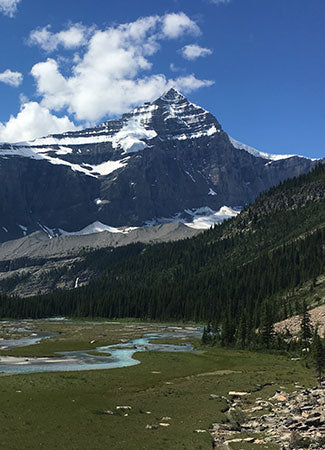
(293, 324)
(291, 420)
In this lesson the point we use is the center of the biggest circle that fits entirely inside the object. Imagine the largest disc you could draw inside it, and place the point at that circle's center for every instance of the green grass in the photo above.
(65, 410)
(79, 335)
(49, 348)
(174, 341)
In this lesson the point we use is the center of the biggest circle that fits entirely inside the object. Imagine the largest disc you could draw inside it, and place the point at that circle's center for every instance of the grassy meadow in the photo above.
(68, 410)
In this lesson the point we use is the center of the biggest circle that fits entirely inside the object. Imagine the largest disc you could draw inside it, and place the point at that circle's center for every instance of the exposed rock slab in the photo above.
(291, 420)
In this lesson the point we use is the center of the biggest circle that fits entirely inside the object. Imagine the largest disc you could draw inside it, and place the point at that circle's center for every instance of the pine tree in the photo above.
(227, 334)
(306, 329)
(267, 327)
(318, 356)
(205, 337)
(242, 332)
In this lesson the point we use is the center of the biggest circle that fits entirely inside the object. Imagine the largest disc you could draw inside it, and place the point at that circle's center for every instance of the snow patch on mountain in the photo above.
(108, 167)
(96, 227)
(253, 151)
(204, 218)
(102, 169)
(207, 132)
(23, 152)
(144, 113)
(51, 233)
(92, 138)
(128, 134)
(130, 137)
(200, 218)
(24, 229)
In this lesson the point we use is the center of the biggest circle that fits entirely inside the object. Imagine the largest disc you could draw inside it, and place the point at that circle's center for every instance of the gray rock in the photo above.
(213, 396)
(287, 428)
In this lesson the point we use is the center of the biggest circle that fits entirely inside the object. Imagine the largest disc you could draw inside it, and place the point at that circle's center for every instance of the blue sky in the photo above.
(257, 65)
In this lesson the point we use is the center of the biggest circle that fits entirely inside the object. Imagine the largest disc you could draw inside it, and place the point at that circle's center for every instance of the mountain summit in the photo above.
(161, 161)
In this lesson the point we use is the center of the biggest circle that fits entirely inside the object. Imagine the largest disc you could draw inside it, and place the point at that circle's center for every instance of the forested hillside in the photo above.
(236, 270)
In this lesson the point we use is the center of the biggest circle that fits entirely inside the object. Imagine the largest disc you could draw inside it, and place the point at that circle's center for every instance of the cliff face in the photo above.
(157, 161)
(35, 193)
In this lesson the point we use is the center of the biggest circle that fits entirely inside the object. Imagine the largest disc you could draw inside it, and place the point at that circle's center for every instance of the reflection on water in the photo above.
(119, 355)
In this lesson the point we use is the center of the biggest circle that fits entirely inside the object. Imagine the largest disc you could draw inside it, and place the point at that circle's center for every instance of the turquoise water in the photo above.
(6, 344)
(119, 355)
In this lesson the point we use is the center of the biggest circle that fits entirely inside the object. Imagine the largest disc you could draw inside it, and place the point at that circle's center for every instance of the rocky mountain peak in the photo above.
(172, 96)
(158, 160)
(171, 117)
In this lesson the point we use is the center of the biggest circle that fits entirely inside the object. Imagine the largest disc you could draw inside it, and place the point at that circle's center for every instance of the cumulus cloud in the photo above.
(112, 73)
(74, 36)
(176, 24)
(9, 7)
(110, 77)
(12, 78)
(33, 121)
(194, 51)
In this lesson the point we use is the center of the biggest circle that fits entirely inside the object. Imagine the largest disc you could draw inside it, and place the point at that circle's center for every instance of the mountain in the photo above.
(163, 161)
(265, 254)
(35, 262)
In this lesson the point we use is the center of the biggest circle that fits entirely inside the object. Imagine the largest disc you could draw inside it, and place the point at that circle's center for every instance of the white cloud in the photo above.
(220, 2)
(74, 36)
(33, 121)
(189, 83)
(12, 78)
(110, 75)
(174, 68)
(194, 51)
(109, 78)
(9, 7)
(174, 25)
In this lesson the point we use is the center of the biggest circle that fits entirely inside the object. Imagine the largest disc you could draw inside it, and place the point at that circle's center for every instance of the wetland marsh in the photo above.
(82, 409)
(102, 357)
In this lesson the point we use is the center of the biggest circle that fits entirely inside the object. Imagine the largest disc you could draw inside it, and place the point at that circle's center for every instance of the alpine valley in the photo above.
(127, 300)
(165, 161)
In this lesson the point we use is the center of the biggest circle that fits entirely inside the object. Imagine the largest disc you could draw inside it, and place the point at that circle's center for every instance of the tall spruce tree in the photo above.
(267, 327)
(318, 352)
(241, 335)
(205, 337)
(306, 329)
(227, 332)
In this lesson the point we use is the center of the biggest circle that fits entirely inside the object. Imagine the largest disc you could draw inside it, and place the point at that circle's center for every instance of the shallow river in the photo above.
(119, 355)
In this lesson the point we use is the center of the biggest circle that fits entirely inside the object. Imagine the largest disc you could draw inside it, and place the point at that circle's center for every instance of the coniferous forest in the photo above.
(238, 274)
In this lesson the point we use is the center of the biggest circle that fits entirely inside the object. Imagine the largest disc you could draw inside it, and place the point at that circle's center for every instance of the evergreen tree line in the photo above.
(307, 343)
(234, 275)
(187, 282)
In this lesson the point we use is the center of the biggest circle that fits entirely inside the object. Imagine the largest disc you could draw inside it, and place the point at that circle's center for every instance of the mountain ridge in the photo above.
(159, 160)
